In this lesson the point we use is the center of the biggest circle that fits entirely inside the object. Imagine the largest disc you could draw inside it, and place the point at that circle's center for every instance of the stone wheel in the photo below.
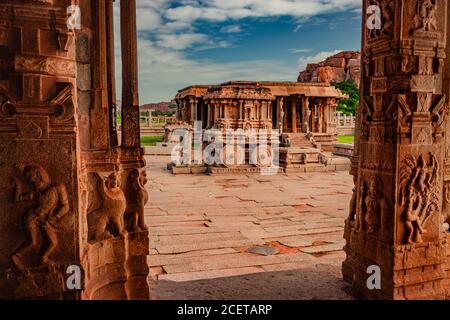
(262, 157)
(232, 156)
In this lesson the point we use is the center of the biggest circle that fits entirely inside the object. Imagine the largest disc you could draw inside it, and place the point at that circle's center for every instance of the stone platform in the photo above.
(246, 236)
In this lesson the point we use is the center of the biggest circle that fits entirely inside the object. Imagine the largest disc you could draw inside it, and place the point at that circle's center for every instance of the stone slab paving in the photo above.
(202, 227)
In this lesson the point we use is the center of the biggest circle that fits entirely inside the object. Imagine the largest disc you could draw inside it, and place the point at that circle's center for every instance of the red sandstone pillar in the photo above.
(111, 80)
(99, 119)
(395, 220)
(294, 114)
(306, 114)
(130, 97)
(40, 167)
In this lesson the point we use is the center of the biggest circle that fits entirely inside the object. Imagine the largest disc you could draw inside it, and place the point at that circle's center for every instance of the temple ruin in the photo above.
(303, 115)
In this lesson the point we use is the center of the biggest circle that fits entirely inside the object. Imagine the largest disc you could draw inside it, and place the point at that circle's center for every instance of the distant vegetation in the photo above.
(348, 106)
(163, 113)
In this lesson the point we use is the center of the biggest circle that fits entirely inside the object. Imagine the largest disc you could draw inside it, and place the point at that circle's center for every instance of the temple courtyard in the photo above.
(246, 236)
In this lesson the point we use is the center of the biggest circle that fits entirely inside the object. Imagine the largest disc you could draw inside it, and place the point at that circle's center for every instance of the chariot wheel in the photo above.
(232, 156)
(262, 157)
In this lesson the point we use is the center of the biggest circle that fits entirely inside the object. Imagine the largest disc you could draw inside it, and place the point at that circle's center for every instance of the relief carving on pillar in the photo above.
(419, 194)
(398, 115)
(366, 116)
(63, 105)
(439, 114)
(425, 18)
(131, 128)
(387, 10)
(137, 198)
(373, 206)
(7, 105)
(49, 203)
(446, 205)
(107, 221)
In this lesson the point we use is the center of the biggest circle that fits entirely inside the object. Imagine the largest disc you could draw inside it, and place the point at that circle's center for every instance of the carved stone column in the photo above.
(100, 130)
(282, 114)
(193, 105)
(395, 213)
(130, 97)
(294, 114)
(111, 75)
(306, 114)
(41, 205)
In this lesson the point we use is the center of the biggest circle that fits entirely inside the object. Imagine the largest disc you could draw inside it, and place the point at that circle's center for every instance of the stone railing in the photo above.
(345, 124)
(148, 120)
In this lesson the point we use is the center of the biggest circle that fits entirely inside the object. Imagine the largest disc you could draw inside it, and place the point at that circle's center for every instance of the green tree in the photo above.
(348, 106)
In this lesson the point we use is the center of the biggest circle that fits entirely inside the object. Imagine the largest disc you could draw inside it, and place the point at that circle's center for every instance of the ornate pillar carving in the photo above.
(130, 96)
(294, 114)
(100, 130)
(111, 73)
(65, 203)
(306, 114)
(395, 218)
(282, 114)
(41, 206)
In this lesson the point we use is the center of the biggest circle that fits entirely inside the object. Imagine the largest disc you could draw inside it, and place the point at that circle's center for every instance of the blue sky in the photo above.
(188, 42)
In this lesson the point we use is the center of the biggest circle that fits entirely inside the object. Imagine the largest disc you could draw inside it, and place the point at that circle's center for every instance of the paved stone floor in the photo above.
(203, 227)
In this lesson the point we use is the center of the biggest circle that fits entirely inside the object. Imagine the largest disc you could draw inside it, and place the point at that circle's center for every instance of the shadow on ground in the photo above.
(324, 282)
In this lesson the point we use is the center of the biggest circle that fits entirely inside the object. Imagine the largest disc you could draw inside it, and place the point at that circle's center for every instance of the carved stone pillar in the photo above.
(111, 80)
(282, 115)
(130, 97)
(306, 114)
(285, 118)
(193, 109)
(41, 203)
(99, 116)
(294, 114)
(395, 213)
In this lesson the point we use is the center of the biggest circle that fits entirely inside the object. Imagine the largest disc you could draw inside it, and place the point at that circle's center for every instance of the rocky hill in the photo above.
(340, 67)
(161, 106)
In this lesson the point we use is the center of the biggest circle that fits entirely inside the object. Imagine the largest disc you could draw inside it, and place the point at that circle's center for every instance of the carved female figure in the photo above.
(51, 203)
(375, 205)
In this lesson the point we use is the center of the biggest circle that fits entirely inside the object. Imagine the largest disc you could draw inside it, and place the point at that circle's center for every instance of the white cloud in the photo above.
(169, 30)
(231, 29)
(300, 50)
(219, 10)
(163, 71)
(304, 61)
(180, 41)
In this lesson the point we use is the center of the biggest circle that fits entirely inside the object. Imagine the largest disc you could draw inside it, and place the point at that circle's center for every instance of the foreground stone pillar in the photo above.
(395, 213)
(99, 115)
(70, 202)
(41, 207)
(111, 71)
(130, 96)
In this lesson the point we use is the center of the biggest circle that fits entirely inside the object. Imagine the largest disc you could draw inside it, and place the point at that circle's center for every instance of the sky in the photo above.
(186, 42)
